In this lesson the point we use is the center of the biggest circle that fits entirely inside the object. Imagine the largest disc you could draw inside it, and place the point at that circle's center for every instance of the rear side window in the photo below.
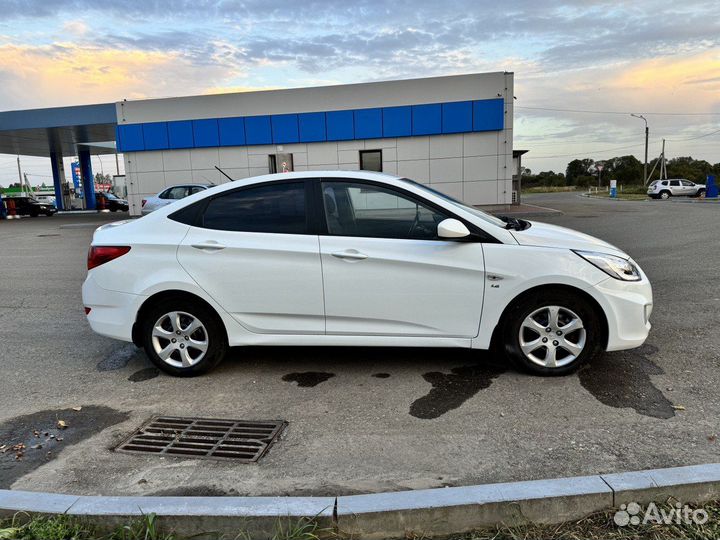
(674, 182)
(272, 208)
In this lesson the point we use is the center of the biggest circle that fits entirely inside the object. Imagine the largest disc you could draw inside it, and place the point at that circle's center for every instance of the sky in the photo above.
(658, 58)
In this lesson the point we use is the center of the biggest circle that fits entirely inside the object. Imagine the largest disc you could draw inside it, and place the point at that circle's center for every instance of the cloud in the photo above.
(63, 73)
(586, 54)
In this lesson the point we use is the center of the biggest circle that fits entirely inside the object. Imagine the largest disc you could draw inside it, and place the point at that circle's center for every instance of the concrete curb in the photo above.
(426, 512)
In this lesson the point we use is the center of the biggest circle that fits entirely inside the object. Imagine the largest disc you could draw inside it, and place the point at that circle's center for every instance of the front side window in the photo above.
(356, 209)
(272, 208)
(686, 183)
(371, 160)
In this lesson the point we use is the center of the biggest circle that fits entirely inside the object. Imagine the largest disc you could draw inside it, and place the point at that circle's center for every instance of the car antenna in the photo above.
(224, 173)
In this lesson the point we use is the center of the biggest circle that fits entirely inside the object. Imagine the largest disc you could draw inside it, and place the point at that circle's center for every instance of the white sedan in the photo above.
(170, 195)
(357, 258)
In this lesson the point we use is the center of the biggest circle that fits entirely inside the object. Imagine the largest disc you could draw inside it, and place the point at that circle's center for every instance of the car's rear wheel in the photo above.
(183, 338)
(664, 195)
(552, 333)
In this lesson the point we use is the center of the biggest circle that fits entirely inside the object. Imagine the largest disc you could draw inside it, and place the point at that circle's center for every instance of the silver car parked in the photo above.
(679, 187)
(170, 195)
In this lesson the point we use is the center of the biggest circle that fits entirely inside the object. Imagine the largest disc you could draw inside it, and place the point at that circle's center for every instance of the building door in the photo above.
(280, 163)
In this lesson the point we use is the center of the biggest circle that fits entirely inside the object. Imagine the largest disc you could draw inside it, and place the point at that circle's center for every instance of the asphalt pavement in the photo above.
(360, 419)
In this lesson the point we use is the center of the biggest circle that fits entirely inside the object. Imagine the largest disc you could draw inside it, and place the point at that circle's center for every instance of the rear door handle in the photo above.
(210, 245)
(351, 254)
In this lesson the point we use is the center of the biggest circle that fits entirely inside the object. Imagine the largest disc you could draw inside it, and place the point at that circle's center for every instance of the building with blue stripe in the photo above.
(454, 133)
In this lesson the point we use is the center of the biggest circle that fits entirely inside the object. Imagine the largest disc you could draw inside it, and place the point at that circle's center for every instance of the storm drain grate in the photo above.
(204, 438)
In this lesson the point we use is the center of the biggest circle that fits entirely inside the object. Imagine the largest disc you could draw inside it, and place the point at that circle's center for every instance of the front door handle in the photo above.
(209, 245)
(351, 254)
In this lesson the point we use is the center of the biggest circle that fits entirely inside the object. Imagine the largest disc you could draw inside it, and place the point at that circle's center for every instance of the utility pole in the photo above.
(663, 169)
(647, 133)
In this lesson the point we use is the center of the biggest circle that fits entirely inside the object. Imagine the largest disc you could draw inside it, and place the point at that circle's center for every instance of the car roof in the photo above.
(184, 184)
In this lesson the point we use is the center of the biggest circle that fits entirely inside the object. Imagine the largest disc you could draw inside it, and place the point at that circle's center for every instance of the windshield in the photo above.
(110, 195)
(474, 211)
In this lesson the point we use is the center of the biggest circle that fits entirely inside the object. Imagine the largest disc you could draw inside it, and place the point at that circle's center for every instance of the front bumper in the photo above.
(112, 313)
(627, 306)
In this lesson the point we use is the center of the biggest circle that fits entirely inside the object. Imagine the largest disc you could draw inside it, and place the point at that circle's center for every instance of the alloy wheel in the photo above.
(552, 336)
(180, 339)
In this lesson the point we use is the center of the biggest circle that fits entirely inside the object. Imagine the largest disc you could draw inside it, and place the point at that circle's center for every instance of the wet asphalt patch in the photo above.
(450, 390)
(120, 357)
(623, 381)
(144, 374)
(31, 440)
(308, 379)
(381, 375)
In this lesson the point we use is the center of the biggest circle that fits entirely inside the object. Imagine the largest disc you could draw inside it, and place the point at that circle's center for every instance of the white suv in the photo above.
(357, 258)
(679, 187)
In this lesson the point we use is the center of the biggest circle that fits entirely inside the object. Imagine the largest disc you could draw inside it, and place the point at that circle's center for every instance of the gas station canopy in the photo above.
(59, 130)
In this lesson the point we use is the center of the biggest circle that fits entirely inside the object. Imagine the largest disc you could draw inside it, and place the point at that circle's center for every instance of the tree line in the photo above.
(627, 170)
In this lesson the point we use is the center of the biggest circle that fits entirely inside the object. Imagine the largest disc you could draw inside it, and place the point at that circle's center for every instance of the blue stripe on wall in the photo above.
(232, 131)
(427, 119)
(205, 133)
(488, 114)
(284, 128)
(312, 127)
(155, 135)
(402, 121)
(339, 125)
(368, 123)
(397, 121)
(180, 134)
(258, 130)
(457, 117)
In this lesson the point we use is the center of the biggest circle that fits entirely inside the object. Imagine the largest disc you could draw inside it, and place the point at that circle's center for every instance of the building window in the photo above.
(371, 160)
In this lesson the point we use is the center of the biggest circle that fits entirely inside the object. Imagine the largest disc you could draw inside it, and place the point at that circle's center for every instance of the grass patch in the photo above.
(26, 527)
(602, 526)
(594, 527)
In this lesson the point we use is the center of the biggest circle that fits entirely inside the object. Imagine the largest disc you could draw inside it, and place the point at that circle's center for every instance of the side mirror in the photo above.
(452, 228)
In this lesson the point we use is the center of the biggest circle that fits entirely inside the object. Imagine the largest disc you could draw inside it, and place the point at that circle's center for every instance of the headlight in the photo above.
(614, 266)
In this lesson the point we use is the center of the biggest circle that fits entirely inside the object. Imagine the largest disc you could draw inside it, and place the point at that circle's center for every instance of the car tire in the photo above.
(113, 209)
(665, 195)
(533, 348)
(700, 193)
(195, 351)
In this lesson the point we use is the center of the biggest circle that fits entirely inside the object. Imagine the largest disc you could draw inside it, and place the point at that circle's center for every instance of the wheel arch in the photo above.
(172, 294)
(555, 287)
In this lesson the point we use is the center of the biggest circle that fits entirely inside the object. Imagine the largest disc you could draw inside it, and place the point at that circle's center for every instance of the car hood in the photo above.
(546, 235)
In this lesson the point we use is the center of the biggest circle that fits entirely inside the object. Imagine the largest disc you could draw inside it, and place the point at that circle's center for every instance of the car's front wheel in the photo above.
(552, 333)
(183, 338)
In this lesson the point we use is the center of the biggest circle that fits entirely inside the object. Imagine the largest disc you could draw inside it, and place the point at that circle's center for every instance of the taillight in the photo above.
(101, 254)
(143, 202)
(87, 310)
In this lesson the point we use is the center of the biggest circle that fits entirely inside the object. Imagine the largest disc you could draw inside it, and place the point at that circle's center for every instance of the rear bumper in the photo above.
(112, 313)
(627, 306)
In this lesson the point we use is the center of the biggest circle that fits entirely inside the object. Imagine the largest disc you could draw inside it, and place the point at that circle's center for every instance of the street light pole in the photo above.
(647, 133)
